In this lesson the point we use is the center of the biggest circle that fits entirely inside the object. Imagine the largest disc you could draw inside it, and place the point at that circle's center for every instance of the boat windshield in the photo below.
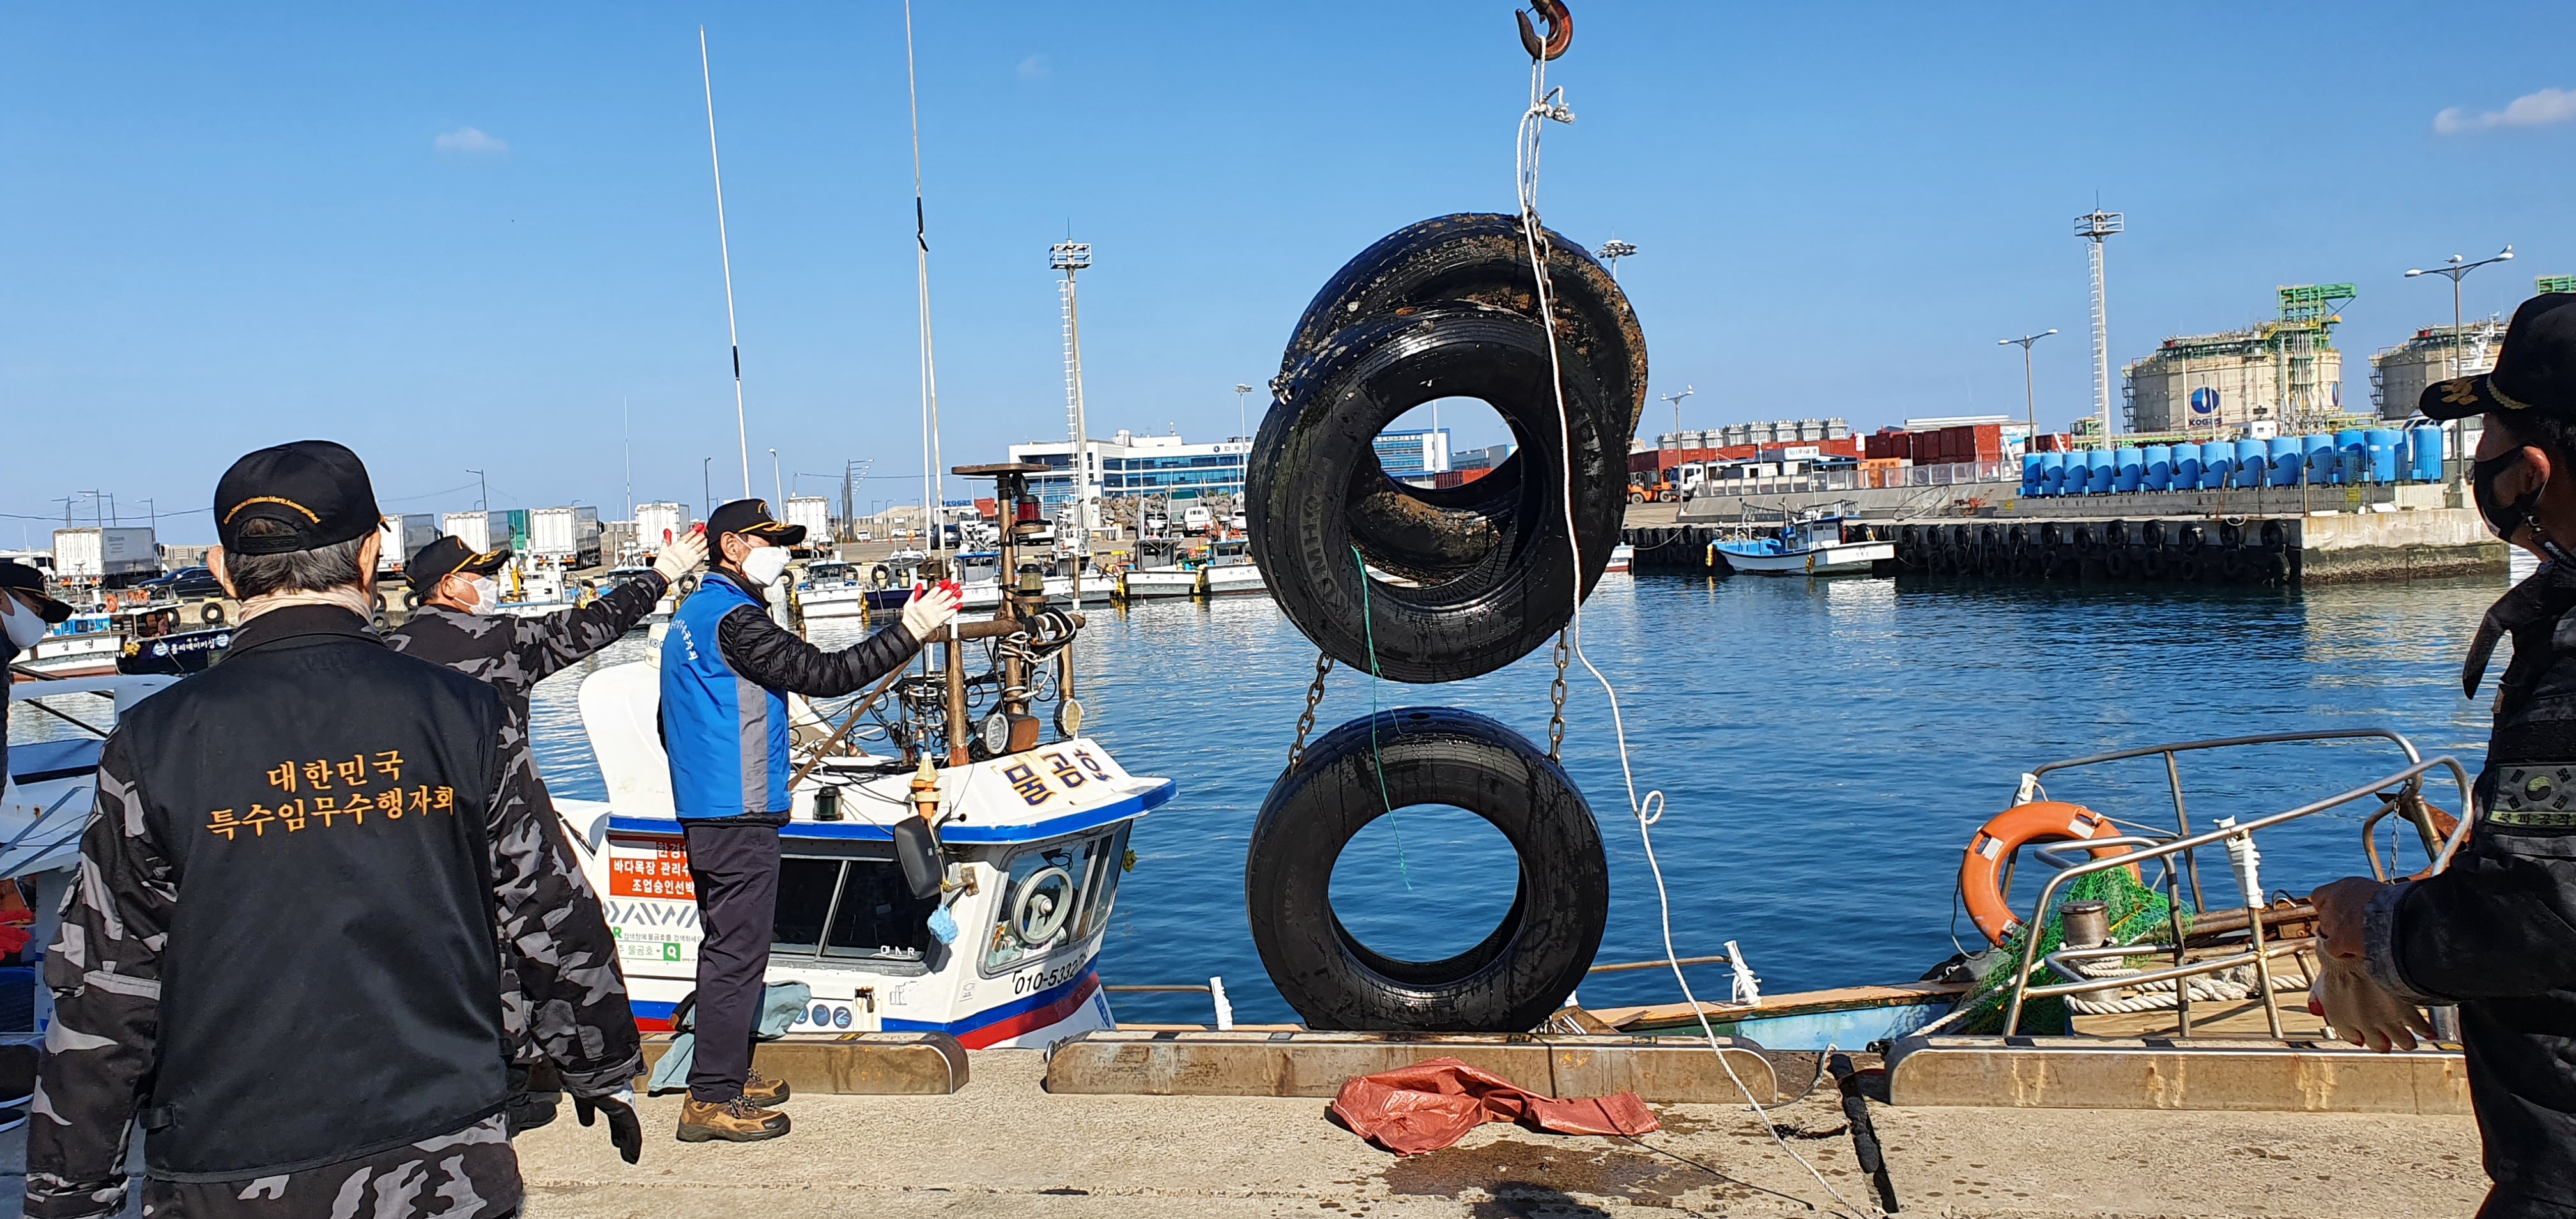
(1056, 895)
(858, 910)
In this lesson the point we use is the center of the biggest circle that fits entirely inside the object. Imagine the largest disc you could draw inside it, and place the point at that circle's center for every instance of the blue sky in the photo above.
(223, 229)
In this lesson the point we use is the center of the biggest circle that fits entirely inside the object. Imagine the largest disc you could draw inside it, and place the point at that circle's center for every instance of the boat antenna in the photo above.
(934, 489)
(724, 249)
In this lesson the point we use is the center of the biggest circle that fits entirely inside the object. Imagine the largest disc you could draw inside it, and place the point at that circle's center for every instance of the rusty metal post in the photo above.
(957, 730)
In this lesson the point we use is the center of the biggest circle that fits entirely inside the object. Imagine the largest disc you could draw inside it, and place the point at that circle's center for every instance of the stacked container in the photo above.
(2156, 462)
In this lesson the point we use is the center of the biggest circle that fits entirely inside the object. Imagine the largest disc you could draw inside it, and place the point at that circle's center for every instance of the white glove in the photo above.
(929, 608)
(2362, 1011)
(680, 556)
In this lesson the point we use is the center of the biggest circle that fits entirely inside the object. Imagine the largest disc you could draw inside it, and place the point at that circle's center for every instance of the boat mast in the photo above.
(934, 491)
(724, 249)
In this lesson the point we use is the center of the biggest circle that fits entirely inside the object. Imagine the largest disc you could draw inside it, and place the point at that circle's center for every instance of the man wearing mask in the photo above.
(313, 912)
(26, 613)
(458, 624)
(2496, 932)
(726, 673)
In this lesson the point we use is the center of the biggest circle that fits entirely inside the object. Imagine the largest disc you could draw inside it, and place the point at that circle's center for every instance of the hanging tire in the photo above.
(1482, 572)
(1426, 755)
(2153, 534)
(211, 613)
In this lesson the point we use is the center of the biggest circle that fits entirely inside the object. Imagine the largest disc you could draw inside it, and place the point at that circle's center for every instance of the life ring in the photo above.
(881, 576)
(411, 599)
(114, 603)
(1484, 573)
(1981, 866)
(1511, 980)
(211, 613)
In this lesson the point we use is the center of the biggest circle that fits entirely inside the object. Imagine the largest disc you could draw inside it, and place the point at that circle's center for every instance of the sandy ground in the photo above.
(1003, 1147)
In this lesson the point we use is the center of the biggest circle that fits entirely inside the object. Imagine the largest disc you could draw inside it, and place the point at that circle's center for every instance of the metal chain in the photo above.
(1306, 722)
(1556, 700)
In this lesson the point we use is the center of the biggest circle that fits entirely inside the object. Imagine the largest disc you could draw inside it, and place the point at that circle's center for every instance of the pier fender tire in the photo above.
(2231, 534)
(2116, 563)
(1482, 572)
(2151, 563)
(881, 576)
(2040, 821)
(1990, 562)
(2188, 568)
(1426, 755)
(2275, 535)
(2276, 569)
(1483, 258)
(211, 613)
(2193, 538)
(2233, 567)
(2153, 534)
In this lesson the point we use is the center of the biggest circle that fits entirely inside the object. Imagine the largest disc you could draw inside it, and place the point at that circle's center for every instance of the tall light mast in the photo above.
(1070, 257)
(2093, 227)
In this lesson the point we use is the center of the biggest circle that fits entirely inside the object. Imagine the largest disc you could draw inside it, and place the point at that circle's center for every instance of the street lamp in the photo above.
(1676, 400)
(2030, 395)
(1241, 419)
(2458, 269)
(1612, 251)
(706, 491)
(774, 487)
(480, 482)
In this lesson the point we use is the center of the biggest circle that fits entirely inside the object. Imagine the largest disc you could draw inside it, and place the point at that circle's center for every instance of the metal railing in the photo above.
(2178, 852)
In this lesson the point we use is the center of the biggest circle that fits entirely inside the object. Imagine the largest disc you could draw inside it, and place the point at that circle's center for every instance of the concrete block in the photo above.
(852, 1064)
(1659, 1069)
(2244, 1076)
(1135, 1062)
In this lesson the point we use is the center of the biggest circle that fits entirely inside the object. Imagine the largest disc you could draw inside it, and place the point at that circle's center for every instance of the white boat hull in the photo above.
(1845, 559)
(1233, 580)
(1157, 585)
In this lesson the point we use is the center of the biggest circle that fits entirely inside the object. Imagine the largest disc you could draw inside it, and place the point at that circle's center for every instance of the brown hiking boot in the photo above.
(734, 1121)
(764, 1092)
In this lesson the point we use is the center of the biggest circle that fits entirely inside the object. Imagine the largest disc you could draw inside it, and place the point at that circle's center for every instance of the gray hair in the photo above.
(318, 571)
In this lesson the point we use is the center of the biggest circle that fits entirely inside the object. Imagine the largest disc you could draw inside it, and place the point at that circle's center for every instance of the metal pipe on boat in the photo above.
(1624, 966)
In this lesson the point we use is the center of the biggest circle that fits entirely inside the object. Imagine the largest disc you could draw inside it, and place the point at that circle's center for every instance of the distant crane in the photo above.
(2094, 227)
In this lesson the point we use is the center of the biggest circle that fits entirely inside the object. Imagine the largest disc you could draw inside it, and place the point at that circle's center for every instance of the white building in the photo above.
(1134, 465)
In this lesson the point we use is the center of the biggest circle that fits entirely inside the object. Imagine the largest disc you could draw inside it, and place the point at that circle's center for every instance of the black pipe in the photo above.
(1865, 1146)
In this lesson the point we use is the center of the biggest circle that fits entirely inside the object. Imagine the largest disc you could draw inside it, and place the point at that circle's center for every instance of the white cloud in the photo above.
(1034, 68)
(471, 141)
(2529, 110)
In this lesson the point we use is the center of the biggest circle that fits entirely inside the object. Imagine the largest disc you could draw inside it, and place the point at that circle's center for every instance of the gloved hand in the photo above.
(680, 556)
(2362, 1011)
(623, 1129)
(930, 607)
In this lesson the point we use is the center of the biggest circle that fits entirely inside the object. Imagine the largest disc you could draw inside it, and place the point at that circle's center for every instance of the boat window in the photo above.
(853, 909)
(1042, 902)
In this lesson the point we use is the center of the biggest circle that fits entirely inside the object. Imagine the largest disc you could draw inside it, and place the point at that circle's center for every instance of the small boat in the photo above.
(87, 644)
(1231, 571)
(832, 589)
(1621, 556)
(1159, 574)
(1811, 545)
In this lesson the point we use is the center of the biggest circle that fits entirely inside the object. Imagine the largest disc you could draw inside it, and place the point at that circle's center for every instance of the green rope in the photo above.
(1368, 626)
(2137, 914)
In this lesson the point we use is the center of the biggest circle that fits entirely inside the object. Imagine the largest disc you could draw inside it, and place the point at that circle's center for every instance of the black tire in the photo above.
(1429, 755)
(687, 584)
(2276, 569)
(1485, 569)
(2151, 563)
(1990, 561)
(2193, 538)
(1482, 258)
(2233, 567)
(411, 599)
(2230, 534)
(2116, 563)
(211, 613)
(2153, 534)
(881, 576)
(2189, 569)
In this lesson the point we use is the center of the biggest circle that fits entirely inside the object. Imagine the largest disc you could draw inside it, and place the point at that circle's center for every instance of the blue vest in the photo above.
(726, 735)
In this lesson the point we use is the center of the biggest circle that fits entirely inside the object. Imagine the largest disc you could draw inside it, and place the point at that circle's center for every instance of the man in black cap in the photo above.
(726, 673)
(2496, 933)
(316, 912)
(458, 624)
(26, 613)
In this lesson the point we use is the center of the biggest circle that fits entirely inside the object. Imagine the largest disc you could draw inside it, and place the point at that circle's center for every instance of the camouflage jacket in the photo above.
(559, 983)
(513, 654)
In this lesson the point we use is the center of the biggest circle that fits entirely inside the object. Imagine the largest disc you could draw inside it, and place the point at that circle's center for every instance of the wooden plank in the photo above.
(2155, 1073)
(1130, 1062)
(1845, 998)
(851, 1064)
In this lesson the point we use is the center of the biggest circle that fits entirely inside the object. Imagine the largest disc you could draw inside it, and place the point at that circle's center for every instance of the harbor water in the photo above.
(1826, 748)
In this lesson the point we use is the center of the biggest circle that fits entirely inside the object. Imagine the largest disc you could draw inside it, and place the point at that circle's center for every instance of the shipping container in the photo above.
(110, 553)
(480, 531)
(398, 538)
(656, 524)
(815, 513)
(565, 534)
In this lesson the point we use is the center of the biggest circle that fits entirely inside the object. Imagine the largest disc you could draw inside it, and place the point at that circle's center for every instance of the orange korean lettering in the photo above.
(420, 799)
(221, 822)
(390, 803)
(291, 813)
(353, 773)
(317, 775)
(390, 764)
(443, 799)
(258, 821)
(282, 777)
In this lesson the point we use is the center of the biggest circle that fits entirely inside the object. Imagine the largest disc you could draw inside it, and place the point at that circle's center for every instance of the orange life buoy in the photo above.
(1981, 868)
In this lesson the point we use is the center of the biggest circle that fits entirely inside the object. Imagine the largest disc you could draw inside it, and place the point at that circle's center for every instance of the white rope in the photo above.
(934, 479)
(1543, 106)
(2225, 986)
(724, 249)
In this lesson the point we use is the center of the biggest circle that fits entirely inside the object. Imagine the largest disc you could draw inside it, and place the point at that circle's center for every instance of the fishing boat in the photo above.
(1811, 544)
(1621, 557)
(1159, 574)
(87, 644)
(1030, 835)
(1230, 571)
(830, 588)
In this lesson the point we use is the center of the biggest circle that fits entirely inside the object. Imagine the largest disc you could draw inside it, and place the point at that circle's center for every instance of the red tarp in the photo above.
(1434, 1103)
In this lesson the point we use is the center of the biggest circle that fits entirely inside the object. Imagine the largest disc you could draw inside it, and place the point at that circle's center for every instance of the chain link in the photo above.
(1314, 696)
(1556, 700)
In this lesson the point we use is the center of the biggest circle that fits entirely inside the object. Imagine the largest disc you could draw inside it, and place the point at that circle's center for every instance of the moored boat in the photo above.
(1810, 545)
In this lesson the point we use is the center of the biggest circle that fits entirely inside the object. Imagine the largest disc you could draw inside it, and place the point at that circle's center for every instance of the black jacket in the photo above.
(2496, 932)
(774, 657)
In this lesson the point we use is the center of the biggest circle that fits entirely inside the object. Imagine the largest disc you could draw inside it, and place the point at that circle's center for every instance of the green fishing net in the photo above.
(2138, 915)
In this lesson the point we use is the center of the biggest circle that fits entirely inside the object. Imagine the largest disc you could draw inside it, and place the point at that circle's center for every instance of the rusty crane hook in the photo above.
(1560, 29)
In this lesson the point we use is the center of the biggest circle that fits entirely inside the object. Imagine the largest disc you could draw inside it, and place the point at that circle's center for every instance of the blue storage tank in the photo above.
(2253, 463)
(2102, 470)
(2348, 450)
(2052, 473)
(2323, 464)
(2286, 460)
(2129, 469)
(2156, 467)
(2379, 450)
(2424, 454)
(2186, 467)
(2217, 464)
(2030, 479)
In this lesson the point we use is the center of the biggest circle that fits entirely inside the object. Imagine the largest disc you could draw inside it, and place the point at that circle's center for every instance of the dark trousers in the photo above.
(735, 869)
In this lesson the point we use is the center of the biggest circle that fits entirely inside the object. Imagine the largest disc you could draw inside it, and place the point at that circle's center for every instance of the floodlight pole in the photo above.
(2029, 391)
(2458, 269)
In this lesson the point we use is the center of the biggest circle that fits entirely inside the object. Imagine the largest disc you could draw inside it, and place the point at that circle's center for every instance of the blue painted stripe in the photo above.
(1120, 810)
(992, 1015)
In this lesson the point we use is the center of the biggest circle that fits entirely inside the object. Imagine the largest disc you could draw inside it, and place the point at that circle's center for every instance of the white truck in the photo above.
(105, 554)
(815, 513)
(472, 528)
(1195, 519)
(398, 538)
(657, 524)
(566, 535)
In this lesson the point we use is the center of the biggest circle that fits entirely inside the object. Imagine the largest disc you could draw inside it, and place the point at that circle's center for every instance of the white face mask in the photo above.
(764, 565)
(24, 626)
(487, 595)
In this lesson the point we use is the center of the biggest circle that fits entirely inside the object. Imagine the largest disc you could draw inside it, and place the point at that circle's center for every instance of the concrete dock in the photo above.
(1002, 1146)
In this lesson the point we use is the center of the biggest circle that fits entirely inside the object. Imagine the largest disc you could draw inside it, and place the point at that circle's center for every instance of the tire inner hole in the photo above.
(1464, 874)
(1413, 531)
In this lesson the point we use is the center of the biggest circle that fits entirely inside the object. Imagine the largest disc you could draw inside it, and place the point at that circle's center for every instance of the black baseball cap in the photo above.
(2535, 371)
(18, 577)
(751, 518)
(446, 556)
(315, 487)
